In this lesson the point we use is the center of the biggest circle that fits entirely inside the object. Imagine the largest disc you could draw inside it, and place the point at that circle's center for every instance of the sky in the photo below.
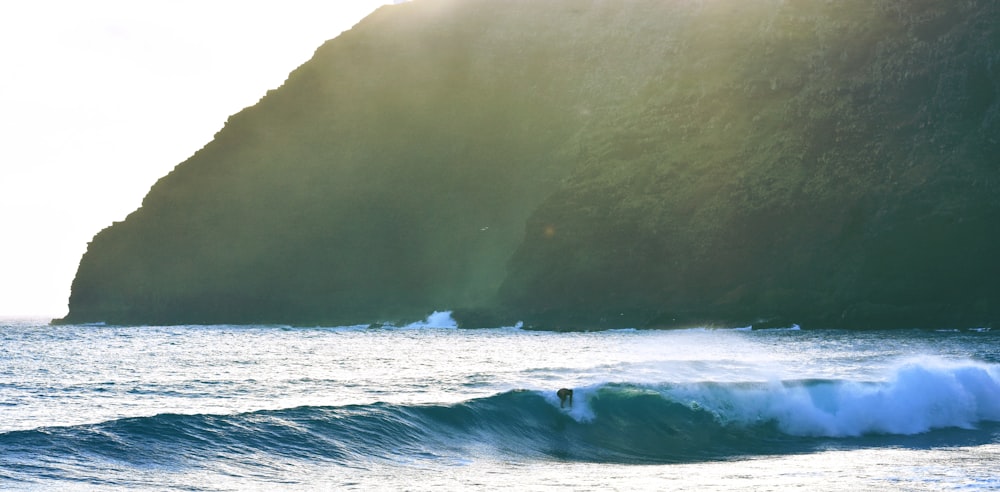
(99, 99)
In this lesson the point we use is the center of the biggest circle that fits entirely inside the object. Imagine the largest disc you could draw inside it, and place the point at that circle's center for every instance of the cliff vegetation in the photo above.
(586, 164)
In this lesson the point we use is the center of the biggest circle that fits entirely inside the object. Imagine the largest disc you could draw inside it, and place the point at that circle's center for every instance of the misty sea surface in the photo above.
(430, 406)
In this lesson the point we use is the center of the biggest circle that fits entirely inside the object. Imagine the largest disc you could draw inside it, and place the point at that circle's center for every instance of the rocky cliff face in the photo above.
(582, 164)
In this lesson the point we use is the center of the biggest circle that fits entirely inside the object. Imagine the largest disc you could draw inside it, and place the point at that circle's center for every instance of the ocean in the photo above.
(429, 406)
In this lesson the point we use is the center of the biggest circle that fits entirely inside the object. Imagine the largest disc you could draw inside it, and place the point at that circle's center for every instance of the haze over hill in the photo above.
(579, 164)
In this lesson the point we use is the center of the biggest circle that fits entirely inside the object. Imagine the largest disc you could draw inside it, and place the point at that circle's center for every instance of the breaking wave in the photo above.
(920, 404)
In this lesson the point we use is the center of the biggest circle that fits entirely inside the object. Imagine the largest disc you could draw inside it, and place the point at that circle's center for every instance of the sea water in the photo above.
(429, 406)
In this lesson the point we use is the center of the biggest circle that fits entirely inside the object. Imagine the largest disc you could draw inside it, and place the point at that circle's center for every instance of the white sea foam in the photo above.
(918, 396)
(437, 319)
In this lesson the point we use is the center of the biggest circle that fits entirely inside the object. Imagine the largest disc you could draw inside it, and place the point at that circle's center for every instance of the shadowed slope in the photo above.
(829, 163)
(595, 163)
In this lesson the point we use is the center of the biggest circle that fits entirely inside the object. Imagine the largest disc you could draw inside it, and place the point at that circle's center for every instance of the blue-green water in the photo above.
(429, 406)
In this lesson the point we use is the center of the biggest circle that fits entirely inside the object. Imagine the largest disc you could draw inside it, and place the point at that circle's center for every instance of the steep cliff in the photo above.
(592, 163)
(827, 163)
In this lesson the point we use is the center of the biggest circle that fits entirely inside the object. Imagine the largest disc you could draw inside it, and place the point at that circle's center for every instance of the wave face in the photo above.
(921, 405)
(919, 397)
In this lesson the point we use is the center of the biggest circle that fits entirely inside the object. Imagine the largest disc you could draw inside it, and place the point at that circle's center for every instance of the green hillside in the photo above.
(581, 164)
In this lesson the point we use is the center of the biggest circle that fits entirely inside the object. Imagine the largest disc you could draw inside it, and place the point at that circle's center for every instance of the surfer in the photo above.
(565, 394)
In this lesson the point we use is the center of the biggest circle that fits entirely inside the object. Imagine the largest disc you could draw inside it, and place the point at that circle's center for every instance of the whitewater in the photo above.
(430, 406)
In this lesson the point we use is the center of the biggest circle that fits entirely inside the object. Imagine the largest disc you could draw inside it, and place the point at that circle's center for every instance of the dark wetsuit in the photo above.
(563, 395)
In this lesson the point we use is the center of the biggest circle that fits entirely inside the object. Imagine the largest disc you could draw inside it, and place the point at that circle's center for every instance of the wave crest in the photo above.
(616, 422)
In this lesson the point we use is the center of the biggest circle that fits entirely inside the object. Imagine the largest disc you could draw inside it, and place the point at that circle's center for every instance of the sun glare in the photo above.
(100, 99)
